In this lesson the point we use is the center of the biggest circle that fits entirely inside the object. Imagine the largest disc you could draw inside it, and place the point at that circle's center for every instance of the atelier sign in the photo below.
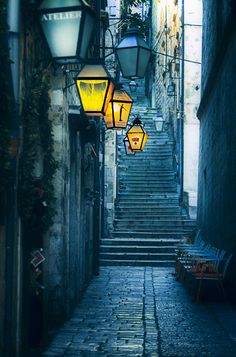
(61, 16)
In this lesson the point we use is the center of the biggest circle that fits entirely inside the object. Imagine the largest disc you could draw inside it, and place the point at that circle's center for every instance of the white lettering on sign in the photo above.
(61, 16)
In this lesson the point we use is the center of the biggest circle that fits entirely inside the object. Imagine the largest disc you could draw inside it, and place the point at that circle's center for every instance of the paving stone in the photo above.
(152, 315)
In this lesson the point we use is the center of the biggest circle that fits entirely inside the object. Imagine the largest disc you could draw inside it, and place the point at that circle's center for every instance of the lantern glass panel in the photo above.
(143, 59)
(128, 147)
(92, 94)
(67, 26)
(108, 97)
(87, 34)
(118, 110)
(135, 136)
(95, 93)
(144, 141)
(128, 61)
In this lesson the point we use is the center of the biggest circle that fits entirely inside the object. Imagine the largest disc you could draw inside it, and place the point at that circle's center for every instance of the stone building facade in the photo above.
(166, 86)
(35, 297)
(175, 85)
(217, 168)
(191, 98)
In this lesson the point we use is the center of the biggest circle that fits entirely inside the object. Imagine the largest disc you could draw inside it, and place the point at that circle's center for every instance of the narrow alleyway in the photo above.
(142, 311)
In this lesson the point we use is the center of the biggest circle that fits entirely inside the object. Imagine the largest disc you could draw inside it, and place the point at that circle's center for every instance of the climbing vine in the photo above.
(36, 193)
(5, 164)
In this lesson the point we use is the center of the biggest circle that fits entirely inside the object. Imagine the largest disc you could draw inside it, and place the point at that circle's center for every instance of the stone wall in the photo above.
(56, 241)
(217, 171)
(110, 180)
(166, 69)
(192, 79)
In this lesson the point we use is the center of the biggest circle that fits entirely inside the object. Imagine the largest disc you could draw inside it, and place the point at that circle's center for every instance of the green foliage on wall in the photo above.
(37, 147)
(4, 101)
(133, 17)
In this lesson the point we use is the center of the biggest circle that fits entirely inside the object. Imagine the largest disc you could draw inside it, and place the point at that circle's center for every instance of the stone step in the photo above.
(139, 242)
(145, 187)
(137, 249)
(146, 181)
(149, 234)
(151, 196)
(121, 262)
(137, 256)
(150, 174)
(156, 222)
(159, 156)
(156, 171)
(146, 178)
(154, 229)
(150, 208)
(142, 214)
(126, 205)
(145, 200)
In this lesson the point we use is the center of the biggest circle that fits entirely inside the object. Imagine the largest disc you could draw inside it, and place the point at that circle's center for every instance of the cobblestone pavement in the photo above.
(138, 311)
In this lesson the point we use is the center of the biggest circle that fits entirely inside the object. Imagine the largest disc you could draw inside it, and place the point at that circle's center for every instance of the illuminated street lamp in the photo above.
(68, 26)
(137, 136)
(133, 54)
(95, 88)
(118, 110)
(128, 150)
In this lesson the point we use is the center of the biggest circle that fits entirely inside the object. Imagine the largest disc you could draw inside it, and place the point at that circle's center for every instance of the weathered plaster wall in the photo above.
(56, 241)
(192, 79)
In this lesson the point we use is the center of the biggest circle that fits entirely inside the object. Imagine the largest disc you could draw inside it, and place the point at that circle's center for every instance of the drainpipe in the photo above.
(181, 120)
(12, 268)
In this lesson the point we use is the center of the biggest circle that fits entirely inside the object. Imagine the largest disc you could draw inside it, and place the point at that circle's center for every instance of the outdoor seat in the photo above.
(195, 262)
(211, 273)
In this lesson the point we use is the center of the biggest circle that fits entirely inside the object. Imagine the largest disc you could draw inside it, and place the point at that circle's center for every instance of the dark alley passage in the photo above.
(138, 311)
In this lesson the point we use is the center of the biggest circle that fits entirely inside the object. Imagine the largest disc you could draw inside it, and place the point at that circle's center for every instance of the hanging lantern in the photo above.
(133, 54)
(137, 136)
(68, 26)
(127, 146)
(95, 88)
(118, 110)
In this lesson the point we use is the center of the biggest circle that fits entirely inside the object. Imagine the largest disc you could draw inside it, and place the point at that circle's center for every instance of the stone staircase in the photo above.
(148, 218)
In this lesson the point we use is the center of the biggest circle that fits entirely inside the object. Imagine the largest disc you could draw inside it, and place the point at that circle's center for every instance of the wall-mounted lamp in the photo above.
(95, 88)
(68, 26)
(118, 110)
(137, 136)
(133, 54)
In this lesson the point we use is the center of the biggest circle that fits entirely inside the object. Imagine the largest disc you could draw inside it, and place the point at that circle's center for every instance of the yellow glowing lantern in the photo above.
(95, 88)
(137, 136)
(118, 110)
